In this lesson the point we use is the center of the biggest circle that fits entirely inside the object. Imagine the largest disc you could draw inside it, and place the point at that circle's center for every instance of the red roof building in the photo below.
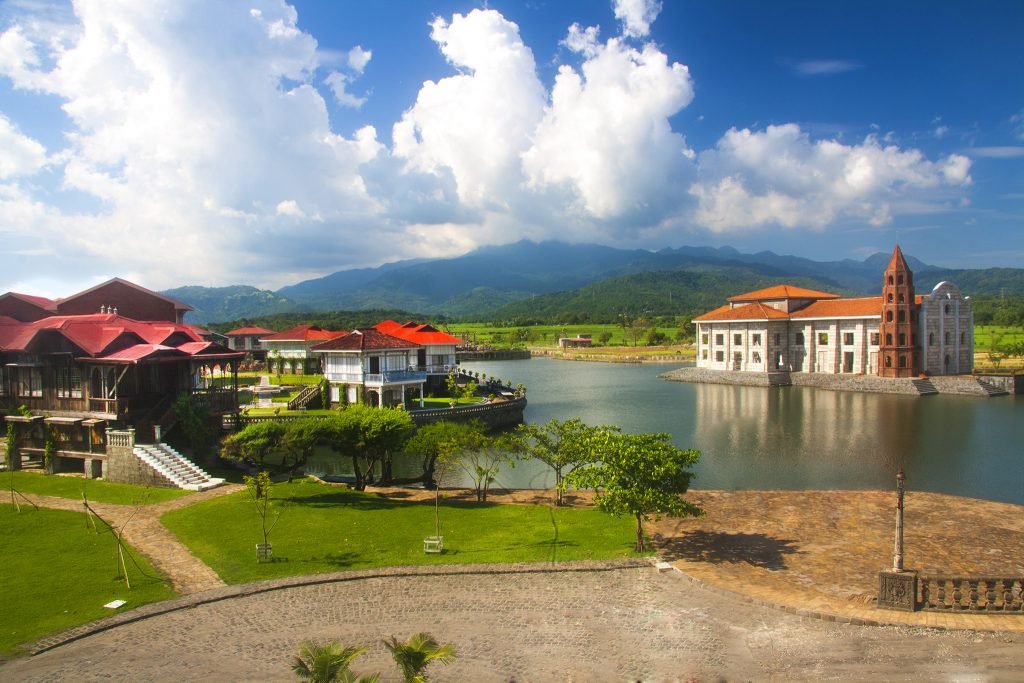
(437, 353)
(84, 373)
(290, 351)
(373, 367)
(247, 340)
(793, 329)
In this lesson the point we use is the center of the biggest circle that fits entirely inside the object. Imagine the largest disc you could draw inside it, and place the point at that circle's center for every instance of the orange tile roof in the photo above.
(866, 307)
(782, 292)
(755, 311)
(415, 332)
(306, 333)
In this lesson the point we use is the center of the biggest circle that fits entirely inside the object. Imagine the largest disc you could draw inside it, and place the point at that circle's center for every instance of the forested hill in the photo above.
(237, 301)
(686, 292)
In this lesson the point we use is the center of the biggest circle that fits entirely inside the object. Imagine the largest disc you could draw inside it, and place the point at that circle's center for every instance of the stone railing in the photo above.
(971, 594)
(121, 439)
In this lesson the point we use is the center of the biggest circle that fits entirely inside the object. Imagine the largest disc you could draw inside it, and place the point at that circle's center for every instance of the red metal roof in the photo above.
(367, 339)
(782, 292)
(248, 331)
(94, 333)
(40, 301)
(866, 307)
(177, 304)
(304, 333)
(416, 332)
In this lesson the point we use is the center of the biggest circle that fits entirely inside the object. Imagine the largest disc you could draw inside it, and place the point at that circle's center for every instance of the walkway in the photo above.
(144, 532)
(614, 622)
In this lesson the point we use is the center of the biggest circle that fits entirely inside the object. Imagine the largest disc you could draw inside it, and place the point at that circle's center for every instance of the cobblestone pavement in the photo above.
(144, 532)
(613, 625)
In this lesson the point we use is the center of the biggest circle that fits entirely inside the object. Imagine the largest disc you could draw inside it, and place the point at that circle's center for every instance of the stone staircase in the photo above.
(175, 467)
(924, 386)
(990, 389)
(305, 397)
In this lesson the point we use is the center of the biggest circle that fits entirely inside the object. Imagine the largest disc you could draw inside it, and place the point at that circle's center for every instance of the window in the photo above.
(719, 356)
(799, 339)
(899, 279)
(947, 338)
(888, 339)
(847, 338)
(756, 357)
(902, 298)
(963, 340)
(903, 339)
(888, 361)
(890, 279)
(737, 339)
(913, 317)
(948, 309)
(3, 381)
(719, 339)
(823, 338)
(874, 338)
(756, 340)
(69, 383)
(931, 339)
(704, 354)
(778, 339)
(889, 298)
(902, 316)
(888, 316)
(704, 339)
(28, 383)
(903, 361)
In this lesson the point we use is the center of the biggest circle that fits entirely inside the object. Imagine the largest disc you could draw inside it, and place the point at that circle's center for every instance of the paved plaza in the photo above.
(725, 612)
(623, 624)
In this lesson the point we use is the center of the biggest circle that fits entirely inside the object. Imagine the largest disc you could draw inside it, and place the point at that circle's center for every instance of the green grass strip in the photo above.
(325, 529)
(71, 487)
(59, 573)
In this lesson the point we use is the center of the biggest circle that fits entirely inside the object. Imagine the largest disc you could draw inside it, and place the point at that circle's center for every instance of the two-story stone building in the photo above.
(787, 328)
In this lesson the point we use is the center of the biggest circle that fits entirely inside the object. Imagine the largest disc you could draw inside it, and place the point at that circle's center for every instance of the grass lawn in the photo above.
(58, 573)
(324, 529)
(72, 487)
(548, 335)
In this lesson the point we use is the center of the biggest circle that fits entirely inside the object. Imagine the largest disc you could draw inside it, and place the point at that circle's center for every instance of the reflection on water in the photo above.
(786, 438)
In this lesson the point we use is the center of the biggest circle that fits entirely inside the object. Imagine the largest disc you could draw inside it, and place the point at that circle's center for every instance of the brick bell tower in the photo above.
(898, 351)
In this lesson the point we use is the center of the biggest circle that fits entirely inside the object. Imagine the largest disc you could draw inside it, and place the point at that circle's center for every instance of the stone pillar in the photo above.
(897, 587)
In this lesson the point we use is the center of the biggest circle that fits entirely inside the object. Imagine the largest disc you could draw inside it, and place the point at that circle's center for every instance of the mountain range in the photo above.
(528, 278)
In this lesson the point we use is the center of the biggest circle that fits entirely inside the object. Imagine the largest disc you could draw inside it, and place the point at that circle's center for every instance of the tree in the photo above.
(559, 445)
(604, 338)
(459, 392)
(369, 436)
(480, 457)
(439, 438)
(328, 662)
(413, 656)
(193, 414)
(642, 475)
(254, 444)
(259, 490)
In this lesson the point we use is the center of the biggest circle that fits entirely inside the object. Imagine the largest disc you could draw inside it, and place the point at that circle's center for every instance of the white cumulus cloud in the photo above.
(780, 176)
(637, 16)
(21, 155)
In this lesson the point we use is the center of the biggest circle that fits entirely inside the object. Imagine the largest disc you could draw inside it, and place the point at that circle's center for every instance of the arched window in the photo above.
(902, 316)
(931, 339)
(902, 299)
(903, 339)
(890, 297)
(888, 339)
(963, 338)
(947, 338)
(899, 279)
(947, 361)
(890, 279)
(888, 316)
(888, 361)
(949, 309)
(903, 361)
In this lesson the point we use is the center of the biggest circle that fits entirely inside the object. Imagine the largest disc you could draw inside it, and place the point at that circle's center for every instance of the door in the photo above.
(848, 361)
(421, 359)
(737, 360)
(374, 365)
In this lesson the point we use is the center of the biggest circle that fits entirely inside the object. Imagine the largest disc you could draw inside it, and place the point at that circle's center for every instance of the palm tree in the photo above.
(328, 663)
(413, 656)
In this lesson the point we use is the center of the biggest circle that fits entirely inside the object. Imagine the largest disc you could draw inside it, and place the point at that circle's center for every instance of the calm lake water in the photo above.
(785, 438)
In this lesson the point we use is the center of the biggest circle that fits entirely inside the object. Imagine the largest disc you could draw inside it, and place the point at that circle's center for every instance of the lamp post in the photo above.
(897, 555)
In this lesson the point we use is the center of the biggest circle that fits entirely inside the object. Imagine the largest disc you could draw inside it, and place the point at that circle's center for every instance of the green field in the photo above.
(58, 573)
(30, 483)
(548, 335)
(325, 528)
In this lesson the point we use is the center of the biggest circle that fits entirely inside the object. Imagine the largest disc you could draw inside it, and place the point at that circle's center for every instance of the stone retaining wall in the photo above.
(125, 468)
(865, 383)
(704, 376)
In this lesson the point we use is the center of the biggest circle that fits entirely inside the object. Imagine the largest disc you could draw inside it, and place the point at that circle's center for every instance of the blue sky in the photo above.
(198, 142)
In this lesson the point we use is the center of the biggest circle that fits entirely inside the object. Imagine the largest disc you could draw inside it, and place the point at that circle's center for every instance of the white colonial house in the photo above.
(369, 366)
(291, 350)
(787, 328)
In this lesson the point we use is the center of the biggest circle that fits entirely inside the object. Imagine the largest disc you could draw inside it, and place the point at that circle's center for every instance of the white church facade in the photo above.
(793, 329)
